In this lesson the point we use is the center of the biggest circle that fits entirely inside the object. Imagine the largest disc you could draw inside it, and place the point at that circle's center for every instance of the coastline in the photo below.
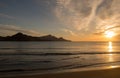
(103, 73)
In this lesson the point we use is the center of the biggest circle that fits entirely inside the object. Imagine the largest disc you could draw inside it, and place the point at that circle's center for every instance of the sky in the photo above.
(76, 20)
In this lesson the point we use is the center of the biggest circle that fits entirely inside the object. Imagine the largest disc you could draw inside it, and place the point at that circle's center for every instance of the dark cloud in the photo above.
(98, 33)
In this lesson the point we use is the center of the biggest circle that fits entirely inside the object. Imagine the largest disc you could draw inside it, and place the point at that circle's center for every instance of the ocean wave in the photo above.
(64, 67)
(55, 54)
(36, 48)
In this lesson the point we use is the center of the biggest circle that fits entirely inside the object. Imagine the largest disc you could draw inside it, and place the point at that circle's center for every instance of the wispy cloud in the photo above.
(70, 32)
(11, 29)
(89, 15)
(6, 16)
(116, 29)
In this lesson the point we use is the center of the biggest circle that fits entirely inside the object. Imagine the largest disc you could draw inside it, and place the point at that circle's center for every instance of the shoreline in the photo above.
(103, 73)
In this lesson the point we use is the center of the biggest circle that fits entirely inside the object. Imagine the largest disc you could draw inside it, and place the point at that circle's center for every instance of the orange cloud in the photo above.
(88, 15)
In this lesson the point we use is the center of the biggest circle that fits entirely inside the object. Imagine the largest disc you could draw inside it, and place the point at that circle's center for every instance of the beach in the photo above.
(103, 73)
(59, 39)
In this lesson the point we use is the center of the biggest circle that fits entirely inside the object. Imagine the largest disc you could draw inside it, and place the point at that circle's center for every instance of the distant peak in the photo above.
(19, 33)
(61, 38)
(49, 35)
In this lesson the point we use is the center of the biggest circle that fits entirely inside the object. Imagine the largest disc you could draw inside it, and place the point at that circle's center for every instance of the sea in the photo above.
(25, 58)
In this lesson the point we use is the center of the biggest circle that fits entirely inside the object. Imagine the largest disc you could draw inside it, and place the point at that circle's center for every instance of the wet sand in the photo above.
(104, 73)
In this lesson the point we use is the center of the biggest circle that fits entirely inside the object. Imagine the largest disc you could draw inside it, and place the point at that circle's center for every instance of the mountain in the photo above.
(23, 37)
(1, 38)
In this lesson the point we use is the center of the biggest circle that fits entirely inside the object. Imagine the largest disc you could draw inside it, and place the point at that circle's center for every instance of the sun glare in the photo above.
(109, 34)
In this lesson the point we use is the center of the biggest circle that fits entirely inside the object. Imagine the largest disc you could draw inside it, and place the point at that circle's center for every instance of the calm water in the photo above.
(42, 57)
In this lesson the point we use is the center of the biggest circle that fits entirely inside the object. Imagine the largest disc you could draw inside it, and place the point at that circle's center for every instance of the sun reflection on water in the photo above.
(110, 48)
(113, 66)
(110, 55)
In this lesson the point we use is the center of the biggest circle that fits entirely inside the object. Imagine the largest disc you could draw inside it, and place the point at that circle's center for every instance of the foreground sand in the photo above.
(104, 73)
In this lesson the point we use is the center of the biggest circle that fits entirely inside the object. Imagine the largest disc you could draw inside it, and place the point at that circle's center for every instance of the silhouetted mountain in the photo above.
(1, 38)
(23, 37)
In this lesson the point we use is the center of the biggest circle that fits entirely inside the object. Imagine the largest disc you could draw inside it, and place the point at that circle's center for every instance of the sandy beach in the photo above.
(104, 73)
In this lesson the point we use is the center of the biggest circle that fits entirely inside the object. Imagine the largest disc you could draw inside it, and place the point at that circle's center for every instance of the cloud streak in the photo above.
(70, 32)
(6, 16)
(11, 29)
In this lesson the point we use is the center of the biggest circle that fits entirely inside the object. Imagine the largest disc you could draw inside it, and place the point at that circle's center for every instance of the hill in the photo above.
(23, 37)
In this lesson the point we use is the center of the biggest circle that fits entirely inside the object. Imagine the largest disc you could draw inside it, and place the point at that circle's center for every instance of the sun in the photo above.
(109, 34)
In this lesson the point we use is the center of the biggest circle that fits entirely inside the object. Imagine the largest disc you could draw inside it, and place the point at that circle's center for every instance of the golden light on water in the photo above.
(111, 56)
(110, 48)
(113, 66)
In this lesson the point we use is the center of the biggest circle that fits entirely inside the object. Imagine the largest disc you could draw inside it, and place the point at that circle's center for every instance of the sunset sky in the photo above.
(77, 20)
